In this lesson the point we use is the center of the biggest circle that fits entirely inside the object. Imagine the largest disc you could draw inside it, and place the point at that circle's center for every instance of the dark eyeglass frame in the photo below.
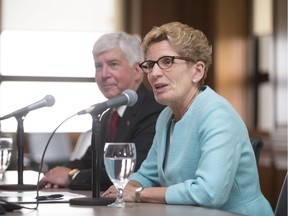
(172, 58)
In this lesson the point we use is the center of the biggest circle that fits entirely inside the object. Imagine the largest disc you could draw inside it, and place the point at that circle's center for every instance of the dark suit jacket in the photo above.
(136, 125)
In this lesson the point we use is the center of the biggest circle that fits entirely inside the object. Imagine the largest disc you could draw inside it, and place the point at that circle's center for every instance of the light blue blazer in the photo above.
(210, 161)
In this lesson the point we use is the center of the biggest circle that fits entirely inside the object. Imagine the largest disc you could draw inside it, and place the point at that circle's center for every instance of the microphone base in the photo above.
(86, 201)
(18, 187)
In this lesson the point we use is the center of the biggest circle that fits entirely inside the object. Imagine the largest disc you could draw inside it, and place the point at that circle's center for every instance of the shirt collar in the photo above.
(121, 110)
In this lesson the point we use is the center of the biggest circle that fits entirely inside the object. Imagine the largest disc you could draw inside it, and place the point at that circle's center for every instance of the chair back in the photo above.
(281, 206)
(257, 144)
(83, 142)
(57, 153)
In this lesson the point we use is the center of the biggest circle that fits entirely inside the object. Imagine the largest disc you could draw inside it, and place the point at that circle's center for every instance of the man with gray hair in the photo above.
(117, 57)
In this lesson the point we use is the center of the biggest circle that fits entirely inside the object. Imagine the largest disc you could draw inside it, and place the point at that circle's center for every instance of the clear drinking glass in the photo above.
(119, 159)
(5, 155)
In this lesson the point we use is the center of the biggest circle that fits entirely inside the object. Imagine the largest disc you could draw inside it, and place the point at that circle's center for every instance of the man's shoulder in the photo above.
(146, 99)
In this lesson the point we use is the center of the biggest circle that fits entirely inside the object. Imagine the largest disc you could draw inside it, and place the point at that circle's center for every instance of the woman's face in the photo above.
(173, 86)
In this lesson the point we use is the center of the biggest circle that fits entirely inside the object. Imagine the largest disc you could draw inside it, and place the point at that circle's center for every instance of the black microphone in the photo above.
(48, 101)
(128, 97)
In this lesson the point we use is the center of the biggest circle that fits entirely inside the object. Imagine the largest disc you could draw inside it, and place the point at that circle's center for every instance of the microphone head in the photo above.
(49, 100)
(132, 97)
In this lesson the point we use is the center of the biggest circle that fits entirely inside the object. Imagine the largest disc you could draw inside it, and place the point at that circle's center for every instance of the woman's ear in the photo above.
(199, 71)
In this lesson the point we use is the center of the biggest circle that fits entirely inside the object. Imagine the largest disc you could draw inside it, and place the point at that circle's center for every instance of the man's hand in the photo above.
(55, 178)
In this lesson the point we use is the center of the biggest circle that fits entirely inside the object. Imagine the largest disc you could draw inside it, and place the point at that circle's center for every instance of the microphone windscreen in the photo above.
(50, 100)
(132, 97)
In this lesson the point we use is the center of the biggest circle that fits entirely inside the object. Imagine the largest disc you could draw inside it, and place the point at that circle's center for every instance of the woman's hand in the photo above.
(111, 192)
(128, 193)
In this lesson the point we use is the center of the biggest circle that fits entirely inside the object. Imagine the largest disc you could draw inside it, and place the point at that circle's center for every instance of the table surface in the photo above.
(139, 209)
(63, 207)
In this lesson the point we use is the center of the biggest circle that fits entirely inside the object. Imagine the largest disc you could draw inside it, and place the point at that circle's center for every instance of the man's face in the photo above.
(113, 73)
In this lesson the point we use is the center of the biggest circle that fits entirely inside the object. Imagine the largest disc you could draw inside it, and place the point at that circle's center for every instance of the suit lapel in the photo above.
(126, 122)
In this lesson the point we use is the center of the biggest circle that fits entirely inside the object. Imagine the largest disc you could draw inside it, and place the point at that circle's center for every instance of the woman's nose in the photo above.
(156, 70)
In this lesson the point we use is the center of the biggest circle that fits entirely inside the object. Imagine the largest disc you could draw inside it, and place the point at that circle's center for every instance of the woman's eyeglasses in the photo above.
(164, 62)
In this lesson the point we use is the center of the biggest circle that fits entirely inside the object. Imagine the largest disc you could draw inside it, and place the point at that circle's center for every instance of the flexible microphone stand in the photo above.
(10, 206)
(96, 150)
(20, 134)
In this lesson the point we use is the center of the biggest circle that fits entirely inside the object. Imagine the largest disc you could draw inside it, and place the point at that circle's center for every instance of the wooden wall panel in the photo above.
(230, 52)
(196, 13)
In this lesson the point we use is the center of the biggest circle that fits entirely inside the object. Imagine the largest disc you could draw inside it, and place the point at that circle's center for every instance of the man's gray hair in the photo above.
(129, 44)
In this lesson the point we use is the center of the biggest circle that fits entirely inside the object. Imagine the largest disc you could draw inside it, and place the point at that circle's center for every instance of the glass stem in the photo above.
(120, 195)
